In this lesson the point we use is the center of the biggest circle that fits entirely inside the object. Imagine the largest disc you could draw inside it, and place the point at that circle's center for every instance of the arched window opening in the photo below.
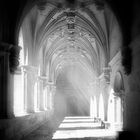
(118, 110)
(119, 98)
(21, 55)
(18, 95)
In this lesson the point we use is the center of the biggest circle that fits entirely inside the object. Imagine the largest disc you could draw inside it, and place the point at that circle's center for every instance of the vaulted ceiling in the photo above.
(58, 33)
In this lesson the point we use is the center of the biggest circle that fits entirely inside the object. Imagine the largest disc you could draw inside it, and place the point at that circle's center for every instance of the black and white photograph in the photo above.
(69, 69)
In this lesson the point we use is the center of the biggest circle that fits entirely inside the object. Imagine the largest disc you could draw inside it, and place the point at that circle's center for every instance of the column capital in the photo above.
(43, 78)
(30, 69)
(13, 51)
(50, 83)
(119, 94)
(105, 76)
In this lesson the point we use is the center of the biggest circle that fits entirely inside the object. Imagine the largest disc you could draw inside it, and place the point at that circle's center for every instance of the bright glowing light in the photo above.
(18, 95)
(111, 111)
(101, 107)
(65, 134)
(76, 124)
(115, 111)
(71, 128)
(21, 55)
(95, 107)
(26, 58)
(19, 109)
(76, 117)
(91, 107)
(118, 109)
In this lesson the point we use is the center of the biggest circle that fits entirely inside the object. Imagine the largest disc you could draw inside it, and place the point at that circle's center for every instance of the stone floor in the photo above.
(72, 128)
(44, 132)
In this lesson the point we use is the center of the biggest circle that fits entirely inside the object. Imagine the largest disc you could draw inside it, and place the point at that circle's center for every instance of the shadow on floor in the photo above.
(47, 131)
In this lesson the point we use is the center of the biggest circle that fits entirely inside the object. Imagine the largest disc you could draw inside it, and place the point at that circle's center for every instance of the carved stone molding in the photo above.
(119, 94)
(106, 72)
(105, 76)
(31, 72)
(13, 52)
(14, 58)
(44, 80)
(30, 69)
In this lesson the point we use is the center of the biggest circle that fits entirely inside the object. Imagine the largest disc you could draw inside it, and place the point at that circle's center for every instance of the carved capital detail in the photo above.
(14, 58)
(30, 69)
(105, 76)
(106, 72)
(119, 94)
(13, 52)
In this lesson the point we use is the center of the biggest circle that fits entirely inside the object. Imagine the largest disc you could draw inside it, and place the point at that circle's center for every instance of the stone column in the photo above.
(41, 100)
(91, 107)
(93, 110)
(104, 87)
(107, 71)
(48, 96)
(121, 96)
(24, 87)
(42, 85)
(97, 93)
(53, 90)
(31, 78)
(9, 55)
(45, 97)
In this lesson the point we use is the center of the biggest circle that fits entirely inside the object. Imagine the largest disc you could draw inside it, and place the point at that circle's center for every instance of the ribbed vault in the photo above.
(61, 33)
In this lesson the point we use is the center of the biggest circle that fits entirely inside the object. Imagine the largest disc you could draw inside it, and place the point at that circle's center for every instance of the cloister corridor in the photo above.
(67, 78)
(74, 128)
(76, 114)
(75, 111)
